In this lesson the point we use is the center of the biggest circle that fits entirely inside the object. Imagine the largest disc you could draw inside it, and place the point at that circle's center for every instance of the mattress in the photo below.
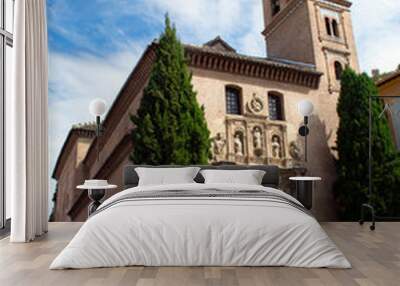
(201, 225)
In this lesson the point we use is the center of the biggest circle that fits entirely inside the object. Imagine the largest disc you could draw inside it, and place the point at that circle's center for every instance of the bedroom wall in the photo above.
(210, 87)
(299, 36)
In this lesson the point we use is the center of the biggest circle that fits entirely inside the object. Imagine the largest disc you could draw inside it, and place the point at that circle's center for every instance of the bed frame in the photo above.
(270, 179)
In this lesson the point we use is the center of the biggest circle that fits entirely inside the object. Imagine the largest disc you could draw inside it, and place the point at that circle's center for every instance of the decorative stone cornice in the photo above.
(345, 53)
(269, 69)
(344, 3)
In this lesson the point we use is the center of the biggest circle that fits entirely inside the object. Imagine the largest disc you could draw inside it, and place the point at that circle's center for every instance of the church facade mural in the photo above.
(250, 103)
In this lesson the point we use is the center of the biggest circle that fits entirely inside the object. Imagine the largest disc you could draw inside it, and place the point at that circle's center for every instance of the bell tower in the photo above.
(315, 32)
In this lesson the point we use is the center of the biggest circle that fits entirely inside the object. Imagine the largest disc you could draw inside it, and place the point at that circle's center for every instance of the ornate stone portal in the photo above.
(252, 138)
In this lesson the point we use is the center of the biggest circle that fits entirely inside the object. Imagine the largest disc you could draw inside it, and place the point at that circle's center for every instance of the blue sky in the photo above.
(94, 44)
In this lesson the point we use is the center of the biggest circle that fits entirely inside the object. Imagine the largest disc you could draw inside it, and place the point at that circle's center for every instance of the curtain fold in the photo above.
(27, 118)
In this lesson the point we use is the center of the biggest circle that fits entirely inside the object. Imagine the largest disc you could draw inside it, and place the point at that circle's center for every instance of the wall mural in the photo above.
(249, 101)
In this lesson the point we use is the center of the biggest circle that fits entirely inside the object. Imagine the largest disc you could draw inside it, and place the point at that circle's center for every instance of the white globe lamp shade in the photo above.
(305, 108)
(97, 107)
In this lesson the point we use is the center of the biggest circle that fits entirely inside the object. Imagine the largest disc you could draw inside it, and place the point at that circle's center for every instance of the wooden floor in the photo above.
(375, 257)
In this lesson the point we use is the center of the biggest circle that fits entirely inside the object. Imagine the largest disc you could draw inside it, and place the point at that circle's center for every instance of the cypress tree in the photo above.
(170, 127)
(351, 187)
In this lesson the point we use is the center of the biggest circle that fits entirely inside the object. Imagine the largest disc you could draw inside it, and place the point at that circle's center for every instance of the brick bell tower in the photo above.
(317, 32)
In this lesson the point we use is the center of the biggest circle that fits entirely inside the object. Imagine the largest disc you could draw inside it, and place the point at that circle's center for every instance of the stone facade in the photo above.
(72, 174)
(303, 63)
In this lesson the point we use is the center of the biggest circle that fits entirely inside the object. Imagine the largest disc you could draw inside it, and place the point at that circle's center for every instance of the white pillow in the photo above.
(248, 177)
(166, 176)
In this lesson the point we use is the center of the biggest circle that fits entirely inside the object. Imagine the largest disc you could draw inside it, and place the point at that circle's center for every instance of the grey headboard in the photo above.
(271, 177)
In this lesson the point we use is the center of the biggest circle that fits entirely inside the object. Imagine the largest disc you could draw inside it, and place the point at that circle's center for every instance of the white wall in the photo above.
(9, 63)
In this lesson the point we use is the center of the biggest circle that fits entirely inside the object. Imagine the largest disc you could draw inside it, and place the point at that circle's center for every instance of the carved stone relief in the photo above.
(295, 154)
(218, 147)
(294, 151)
(255, 105)
(238, 143)
(256, 140)
(276, 147)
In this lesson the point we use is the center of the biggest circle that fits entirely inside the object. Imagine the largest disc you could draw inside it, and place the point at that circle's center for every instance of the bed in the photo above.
(201, 224)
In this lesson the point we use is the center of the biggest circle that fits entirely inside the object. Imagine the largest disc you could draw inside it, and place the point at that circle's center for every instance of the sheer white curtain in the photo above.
(26, 122)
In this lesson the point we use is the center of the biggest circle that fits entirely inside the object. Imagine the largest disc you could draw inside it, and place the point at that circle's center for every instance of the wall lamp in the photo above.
(305, 108)
(97, 108)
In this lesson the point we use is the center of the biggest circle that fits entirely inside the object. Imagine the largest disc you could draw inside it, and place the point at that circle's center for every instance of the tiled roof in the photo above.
(80, 130)
(220, 44)
(85, 126)
(387, 77)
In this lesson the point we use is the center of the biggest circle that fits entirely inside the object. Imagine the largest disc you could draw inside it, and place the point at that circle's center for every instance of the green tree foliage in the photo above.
(170, 127)
(351, 188)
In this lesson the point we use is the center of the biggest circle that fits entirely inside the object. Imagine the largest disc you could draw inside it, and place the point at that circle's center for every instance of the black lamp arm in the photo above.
(304, 132)
(98, 126)
(305, 120)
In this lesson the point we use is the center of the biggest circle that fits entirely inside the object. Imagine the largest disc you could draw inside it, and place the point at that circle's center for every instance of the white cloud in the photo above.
(77, 79)
(252, 42)
(240, 22)
(377, 29)
(198, 17)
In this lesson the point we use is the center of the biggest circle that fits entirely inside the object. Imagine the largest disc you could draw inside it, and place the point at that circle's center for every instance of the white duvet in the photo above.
(200, 232)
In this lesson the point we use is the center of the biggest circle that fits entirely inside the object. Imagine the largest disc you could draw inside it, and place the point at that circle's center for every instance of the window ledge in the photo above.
(333, 39)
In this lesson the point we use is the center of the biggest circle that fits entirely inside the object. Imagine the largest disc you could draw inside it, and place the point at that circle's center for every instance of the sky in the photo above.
(94, 44)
